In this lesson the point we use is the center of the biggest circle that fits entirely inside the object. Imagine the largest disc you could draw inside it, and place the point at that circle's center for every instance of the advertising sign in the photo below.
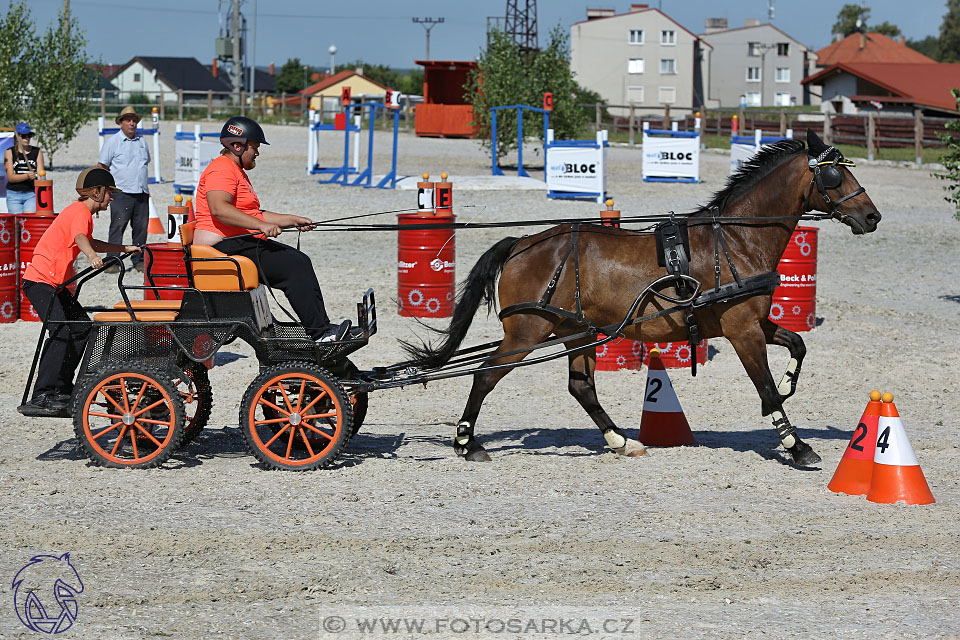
(191, 158)
(576, 167)
(671, 157)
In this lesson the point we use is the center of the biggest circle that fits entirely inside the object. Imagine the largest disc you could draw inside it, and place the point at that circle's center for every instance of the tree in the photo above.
(847, 19)
(927, 46)
(506, 75)
(17, 35)
(948, 48)
(292, 76)
(887, 29)
(951, 158)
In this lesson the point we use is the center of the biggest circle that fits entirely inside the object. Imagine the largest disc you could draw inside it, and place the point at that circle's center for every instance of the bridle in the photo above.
(827, 176)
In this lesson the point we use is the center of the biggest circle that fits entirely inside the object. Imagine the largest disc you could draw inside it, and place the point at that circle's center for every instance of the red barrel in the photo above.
(619, 354)
(426, 266)
(795, 300)
(675, 354)
(8, 268)
(168, 270)
(31, 227)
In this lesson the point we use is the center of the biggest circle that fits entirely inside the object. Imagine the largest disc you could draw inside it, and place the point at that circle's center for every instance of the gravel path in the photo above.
(721, 540)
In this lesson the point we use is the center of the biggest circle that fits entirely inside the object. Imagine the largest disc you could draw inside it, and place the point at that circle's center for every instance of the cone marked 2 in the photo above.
(896, 472)
(855, 470)
(662, 423)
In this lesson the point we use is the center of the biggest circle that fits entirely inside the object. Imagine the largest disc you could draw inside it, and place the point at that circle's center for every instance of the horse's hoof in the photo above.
(804, 456)
(478, 455)
(632, 449)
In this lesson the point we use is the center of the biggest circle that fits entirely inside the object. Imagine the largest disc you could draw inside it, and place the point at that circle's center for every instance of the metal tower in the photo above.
(521, 23)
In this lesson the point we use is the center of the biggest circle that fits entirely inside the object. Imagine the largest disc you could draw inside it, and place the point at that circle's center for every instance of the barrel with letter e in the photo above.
(426, 266)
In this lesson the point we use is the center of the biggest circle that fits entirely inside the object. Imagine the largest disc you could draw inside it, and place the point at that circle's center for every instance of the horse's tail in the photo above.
(479, 287)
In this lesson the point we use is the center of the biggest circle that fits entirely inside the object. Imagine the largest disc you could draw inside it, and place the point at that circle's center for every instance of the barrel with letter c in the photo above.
(794, 304)
(30, 228)
(426, 267)
(8, 268)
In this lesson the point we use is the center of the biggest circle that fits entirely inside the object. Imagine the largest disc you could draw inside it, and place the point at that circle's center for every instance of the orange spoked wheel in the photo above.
(197, 394)
(129, 416)
(296, 416)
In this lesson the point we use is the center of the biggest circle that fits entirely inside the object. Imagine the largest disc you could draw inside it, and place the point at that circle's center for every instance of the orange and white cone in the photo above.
(662, 423)
(855, 470)
(896, 472)
(156, 225)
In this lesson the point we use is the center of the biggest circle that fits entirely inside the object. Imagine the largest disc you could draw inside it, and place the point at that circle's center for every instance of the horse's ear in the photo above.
(814, 143)
(65, 556)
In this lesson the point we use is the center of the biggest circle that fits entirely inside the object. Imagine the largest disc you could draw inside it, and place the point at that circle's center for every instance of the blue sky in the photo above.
(381, 31)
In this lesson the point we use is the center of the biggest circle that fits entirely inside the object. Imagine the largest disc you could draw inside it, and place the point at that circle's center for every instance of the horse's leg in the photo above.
(775, 334)
(750, 346)
(519, 332)
(583, 387)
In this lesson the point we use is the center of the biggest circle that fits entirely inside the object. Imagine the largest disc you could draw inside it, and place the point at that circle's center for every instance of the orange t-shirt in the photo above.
(56, 250)
(223, 174)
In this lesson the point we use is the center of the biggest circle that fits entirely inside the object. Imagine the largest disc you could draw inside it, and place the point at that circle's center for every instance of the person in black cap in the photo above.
(227, 206)
(22, 164)
(52, 265)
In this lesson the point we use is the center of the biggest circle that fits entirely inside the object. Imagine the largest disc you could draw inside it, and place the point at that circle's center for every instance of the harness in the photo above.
(827, 176)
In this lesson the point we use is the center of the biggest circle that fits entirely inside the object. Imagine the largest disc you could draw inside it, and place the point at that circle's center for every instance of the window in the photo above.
(136, 77)
(753, 74)
(783, 48)
(783, 74)
(753, 49)
(668, 66)
(668, 95)
(635, 65)
(634, 94)
(753, 98)
(636, 36)
(668, 36)
(782, 99)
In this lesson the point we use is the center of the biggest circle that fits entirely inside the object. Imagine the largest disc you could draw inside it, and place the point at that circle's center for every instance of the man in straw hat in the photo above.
(126, 156)
(51, 266)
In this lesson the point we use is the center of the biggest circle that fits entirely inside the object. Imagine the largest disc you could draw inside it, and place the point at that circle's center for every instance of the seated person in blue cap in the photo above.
(22, 162)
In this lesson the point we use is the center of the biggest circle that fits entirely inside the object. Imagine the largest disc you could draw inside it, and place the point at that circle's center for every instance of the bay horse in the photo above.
(754, 216)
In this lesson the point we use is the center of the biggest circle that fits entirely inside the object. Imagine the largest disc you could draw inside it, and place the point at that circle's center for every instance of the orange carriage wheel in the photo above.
(197, 394)
(128, 416)
(296, 417)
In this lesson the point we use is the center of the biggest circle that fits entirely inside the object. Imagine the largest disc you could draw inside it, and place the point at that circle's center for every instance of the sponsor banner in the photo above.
(576, 169)
(665, 157)
(192, 157)
(740, 153)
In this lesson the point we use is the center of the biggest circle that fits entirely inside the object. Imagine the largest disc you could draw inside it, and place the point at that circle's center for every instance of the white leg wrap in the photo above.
(789, 440)
(785, 383)
(614, 439)
(461, 440)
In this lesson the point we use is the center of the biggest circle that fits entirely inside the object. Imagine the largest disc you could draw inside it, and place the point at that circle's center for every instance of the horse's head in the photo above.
(839, 192)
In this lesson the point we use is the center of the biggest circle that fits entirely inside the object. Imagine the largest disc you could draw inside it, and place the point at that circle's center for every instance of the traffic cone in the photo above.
(855, 470)
(192, 216)
(662, 423)
(156, 225)
(896, 472)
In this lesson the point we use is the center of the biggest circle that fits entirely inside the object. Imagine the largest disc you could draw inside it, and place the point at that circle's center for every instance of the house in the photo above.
(869, 47)
(154, 76)
(642, 57)
(324, 96)
(755, 65)
(890, 87)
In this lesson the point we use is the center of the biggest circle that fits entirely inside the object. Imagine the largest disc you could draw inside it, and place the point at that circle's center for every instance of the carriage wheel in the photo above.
(296, 416)
(129, 416)
(194, 387)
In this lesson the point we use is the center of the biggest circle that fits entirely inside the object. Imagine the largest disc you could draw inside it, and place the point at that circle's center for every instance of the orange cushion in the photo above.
(221, 275)
(144, 316)
(150, 305)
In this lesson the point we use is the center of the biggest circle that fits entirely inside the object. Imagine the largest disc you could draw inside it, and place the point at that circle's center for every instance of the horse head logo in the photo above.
(45, 594)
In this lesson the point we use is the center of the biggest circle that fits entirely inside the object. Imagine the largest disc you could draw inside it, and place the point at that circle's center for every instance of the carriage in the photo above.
(143, 391)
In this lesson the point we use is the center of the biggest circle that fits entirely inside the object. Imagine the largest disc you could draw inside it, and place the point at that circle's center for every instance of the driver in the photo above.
(227, 206)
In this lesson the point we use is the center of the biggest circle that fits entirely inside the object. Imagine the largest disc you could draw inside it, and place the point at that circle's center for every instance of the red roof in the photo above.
(329, 81)
(876, 47)
(926, 84)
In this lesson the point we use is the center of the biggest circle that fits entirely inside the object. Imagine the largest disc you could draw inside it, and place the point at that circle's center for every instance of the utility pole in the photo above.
(253, 53)
(237, 66)
(428, 24)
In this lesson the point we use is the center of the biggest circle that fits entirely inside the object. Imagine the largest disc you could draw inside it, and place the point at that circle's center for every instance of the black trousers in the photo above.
(282, 267)
(64, 348)
(132, 209)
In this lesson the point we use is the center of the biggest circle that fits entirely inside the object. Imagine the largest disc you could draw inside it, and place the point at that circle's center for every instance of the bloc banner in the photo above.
(187, 154)
(740, 153)
(665, 157)
(577, 169)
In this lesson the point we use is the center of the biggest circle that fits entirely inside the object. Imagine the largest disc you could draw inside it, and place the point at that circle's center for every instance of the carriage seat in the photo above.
(213, 270)
(150, 305)
(143, 316)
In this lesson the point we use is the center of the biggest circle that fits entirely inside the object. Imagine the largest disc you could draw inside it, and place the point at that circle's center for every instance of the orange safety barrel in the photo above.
(426, 265)
(30, 227)
(168, 270)
(8, 268)
(619, 354)
(795, 300)
(675, 355)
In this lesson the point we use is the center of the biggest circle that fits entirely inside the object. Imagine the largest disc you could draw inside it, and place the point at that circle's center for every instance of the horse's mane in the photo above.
(762, 164)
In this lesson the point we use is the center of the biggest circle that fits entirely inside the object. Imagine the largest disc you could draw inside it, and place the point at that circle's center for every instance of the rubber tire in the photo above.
(201, 383)
(333, 387)
(90, 386)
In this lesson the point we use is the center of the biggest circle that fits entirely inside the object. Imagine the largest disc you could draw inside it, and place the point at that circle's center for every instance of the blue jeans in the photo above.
(21, 201)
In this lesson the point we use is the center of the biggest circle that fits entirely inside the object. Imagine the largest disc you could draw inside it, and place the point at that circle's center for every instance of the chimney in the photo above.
(863, 40)
(712, 25)
(271, 68)
(751, 22)
(213, 68)
(903, 39)
(593, 14)
(638, 7)
(358, 71)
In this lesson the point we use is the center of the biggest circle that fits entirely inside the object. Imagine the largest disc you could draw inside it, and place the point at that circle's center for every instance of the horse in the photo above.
(751, 218)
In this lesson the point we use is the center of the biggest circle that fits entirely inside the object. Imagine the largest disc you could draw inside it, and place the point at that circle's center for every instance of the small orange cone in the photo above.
(662, 423)
(896, 472)
(855, 470)
(155, 225)
(192, 216)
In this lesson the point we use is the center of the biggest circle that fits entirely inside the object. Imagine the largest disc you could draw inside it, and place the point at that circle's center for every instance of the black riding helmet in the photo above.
(241, 129)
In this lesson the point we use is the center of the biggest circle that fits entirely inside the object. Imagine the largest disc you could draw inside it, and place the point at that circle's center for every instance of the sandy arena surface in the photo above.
(721, 540)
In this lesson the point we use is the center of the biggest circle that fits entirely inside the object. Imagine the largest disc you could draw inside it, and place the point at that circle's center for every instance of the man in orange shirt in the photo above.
(227, 206)
(51, 266)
